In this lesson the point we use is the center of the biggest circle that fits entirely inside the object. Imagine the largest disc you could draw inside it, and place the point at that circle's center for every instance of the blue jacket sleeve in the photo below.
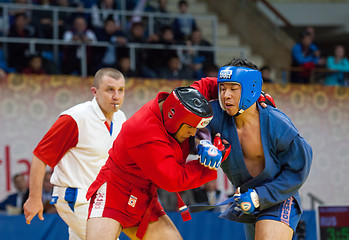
(300, 59)
(295, 159)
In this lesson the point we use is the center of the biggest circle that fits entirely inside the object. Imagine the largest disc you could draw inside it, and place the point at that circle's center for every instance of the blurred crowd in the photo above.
(102, 23)
(310, 65)
(13, 204)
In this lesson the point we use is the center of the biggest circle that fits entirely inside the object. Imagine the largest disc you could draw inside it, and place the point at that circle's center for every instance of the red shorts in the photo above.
(123, 202)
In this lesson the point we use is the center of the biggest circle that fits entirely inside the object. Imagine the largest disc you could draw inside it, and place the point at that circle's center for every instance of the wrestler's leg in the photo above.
(270, 229)
(103, 228)
(157, 230)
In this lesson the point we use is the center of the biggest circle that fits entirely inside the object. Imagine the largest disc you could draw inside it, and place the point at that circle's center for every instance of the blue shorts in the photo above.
(287, 212)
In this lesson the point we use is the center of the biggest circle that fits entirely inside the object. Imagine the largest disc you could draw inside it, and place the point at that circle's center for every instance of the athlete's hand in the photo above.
(222, 146)
(32, 207)
(210, 156)
(247, 201)
(265, 99)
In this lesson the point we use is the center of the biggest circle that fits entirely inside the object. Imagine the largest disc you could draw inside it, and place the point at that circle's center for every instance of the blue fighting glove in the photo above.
(210, 156)
(247, 201)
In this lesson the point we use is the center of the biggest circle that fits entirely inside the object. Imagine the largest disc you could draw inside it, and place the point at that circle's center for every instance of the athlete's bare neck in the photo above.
(249, 116)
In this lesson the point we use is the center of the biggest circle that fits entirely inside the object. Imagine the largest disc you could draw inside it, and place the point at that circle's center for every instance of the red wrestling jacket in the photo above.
(144, 152)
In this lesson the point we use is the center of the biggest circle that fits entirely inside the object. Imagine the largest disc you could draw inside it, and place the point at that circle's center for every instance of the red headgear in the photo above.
(186, 105)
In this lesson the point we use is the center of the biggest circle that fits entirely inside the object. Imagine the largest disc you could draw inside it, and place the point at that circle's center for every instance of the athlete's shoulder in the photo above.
(279, 117)
(281, 128)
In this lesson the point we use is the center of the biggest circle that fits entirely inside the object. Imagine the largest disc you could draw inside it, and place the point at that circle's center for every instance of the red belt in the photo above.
(152, 188)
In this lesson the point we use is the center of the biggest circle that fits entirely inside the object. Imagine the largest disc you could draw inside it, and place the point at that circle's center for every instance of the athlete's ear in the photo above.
(94, 90)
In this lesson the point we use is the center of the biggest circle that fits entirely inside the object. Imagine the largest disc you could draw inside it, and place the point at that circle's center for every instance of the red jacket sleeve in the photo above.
(159, 164)
(207, 87)
(62, 136)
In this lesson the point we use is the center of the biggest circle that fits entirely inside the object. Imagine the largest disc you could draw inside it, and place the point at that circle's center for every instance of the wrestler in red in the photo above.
(149, 153)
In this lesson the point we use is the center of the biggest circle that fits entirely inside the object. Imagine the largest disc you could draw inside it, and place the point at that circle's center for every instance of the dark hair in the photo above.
(182, 2)
(108, 19)
(17, 175)
(265, 68)
(165, 28)
(18, 15)
(241, 62)
(303, 34)
(139, 23)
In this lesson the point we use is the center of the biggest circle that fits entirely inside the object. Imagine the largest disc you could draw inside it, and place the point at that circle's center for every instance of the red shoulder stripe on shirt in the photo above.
(62, 136)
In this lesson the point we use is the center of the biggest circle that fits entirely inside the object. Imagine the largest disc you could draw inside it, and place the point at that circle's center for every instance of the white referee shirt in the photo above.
(80, 165)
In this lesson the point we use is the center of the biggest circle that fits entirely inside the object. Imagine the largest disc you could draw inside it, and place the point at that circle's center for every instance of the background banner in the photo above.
(29, 105)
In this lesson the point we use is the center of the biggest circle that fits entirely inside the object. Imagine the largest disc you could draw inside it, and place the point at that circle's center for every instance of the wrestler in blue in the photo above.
(269, 159)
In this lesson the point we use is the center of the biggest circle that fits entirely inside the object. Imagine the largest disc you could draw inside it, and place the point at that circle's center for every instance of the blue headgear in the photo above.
(250, 81)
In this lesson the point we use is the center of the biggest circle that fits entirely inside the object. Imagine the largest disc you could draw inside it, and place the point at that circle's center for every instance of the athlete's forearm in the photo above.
(36, 177)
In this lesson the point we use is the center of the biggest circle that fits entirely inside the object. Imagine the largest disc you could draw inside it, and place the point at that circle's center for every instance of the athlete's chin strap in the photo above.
(239, 112)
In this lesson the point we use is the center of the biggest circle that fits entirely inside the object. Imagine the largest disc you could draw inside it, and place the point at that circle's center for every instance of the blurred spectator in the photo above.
(306, 55)
(208, 194)
(35, 65)
(19, 10)
(43, 19)
(132, 4)
(3, 20)
(124, 66)
(185, 23)
(72, 54)
(102, 10)
(4, 69)
(137, 35)
(107, 56)
(338, 62)
(47, 189)
(210, 70)
(87, 3)
(13, 204)
(156, 59)
(194, 58)
(196, 39)
(169, 200)
(174, 70)
(64, 18)
(18, 52)
(311, 32)
(161, 22)
(138, 7)
(266, 74)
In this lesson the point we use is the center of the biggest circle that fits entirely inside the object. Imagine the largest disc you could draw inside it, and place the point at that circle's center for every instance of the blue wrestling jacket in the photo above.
(287, 159)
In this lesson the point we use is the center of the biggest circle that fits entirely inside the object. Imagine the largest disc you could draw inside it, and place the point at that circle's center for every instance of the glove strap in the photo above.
(200, 208)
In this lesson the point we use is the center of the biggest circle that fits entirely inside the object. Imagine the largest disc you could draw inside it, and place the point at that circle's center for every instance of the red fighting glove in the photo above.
(266, 98)
(225, 148)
